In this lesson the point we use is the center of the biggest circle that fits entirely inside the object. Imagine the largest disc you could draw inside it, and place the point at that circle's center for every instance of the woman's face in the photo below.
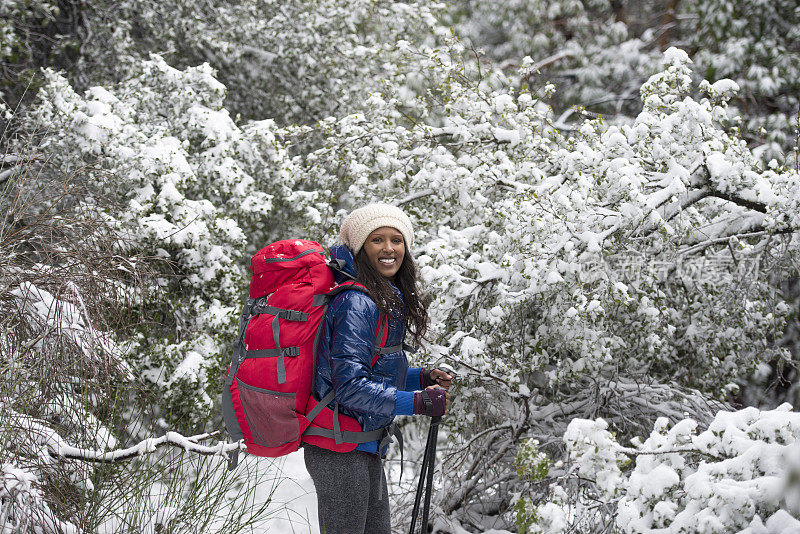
(385, 249)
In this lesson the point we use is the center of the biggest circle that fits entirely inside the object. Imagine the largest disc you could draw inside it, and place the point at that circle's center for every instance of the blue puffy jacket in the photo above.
(372, 395)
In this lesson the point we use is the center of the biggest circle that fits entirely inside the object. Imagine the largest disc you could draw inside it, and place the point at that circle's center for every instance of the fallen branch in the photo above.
(189, 444)
(56, 447)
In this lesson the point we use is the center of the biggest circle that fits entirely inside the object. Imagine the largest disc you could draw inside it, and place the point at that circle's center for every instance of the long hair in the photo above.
(415, 313)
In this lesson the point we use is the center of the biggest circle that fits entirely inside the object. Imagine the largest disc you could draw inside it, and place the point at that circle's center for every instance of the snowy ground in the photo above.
(294, 502)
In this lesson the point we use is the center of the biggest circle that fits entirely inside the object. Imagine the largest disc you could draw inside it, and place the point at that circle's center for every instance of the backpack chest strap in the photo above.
(396, 348)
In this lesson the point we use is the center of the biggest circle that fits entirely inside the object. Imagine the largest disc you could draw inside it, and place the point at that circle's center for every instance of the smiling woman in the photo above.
(385, 249)
(370, 384)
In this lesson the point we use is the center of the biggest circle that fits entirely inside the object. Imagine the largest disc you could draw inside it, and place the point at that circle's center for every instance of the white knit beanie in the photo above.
(363, 221)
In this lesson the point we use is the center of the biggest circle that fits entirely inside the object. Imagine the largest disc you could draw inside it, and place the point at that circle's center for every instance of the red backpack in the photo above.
(268, 397)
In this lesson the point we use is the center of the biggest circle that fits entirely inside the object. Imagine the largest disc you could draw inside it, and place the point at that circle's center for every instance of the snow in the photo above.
(506, 136)
(189, 367)
(216, 126)
(718, 166)
(676, 56)
(553, 278)
(286, 481)
(471, 346)
(782, 523)
(725, 87)
(654, 482)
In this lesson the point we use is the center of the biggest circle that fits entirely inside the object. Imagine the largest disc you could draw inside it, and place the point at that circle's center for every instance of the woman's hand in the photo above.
(446, 395)
(442, 378)
(435, 377)
(433, 401)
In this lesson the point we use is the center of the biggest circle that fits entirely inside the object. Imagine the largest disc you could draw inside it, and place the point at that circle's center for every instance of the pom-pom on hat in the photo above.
(363, 221)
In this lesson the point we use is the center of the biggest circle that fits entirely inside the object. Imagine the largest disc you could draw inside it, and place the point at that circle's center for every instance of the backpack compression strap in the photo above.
(228, 413)
(260, 306)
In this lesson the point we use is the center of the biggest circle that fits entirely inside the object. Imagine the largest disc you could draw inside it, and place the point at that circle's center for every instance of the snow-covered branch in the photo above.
(187, 443)
(415, 196)
(57, 447)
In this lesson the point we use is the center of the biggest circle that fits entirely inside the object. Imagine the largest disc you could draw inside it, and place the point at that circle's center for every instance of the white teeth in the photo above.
(387, 261)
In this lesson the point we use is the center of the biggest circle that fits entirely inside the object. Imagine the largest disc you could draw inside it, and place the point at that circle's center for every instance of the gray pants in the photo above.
(348, 485)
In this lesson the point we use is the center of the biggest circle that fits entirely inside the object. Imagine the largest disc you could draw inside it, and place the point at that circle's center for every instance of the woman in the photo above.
(351, 487)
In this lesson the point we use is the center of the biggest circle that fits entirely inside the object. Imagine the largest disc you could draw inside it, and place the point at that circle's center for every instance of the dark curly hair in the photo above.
(415, 312)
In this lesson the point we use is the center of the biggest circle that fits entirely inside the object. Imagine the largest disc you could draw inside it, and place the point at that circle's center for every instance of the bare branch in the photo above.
(546, 62)
(722, 239)
(740, 201)
(634, 452)
(267, 57)
(472, 439)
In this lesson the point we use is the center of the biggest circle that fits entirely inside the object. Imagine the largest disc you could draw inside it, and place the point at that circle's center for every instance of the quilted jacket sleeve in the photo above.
(355, 320)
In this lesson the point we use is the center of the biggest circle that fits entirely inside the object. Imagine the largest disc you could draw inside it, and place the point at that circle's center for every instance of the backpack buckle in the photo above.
(255, 304)
(293, 315)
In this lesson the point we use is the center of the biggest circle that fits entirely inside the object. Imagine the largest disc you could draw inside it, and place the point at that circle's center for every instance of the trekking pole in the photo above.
(426, 475)
(429, 484)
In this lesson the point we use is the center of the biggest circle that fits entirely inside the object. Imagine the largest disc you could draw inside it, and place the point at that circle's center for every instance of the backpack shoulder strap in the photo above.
(323, 299)
(338, 265)
(382, 330)
(381, 336)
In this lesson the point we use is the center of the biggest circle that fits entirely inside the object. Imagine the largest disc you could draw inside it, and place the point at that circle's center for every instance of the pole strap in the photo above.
(391, 432)
(426, 400)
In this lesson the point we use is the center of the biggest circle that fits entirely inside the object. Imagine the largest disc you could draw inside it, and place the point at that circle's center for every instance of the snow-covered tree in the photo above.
(589, 49)
(598, 53)
(73, 292)
(739, 474)
(293, 62)
(757, 46)
(626, 269)
(603, 273)
(165, 149)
